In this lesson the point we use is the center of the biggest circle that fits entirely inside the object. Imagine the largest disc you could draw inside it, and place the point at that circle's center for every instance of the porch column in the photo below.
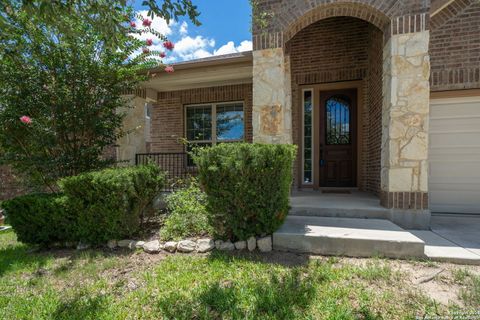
(404, 176)
(272, 98)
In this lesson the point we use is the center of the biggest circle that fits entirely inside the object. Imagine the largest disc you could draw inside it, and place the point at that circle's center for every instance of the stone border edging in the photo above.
(204, 245)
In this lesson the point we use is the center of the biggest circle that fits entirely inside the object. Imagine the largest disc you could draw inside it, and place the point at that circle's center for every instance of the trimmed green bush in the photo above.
(111, 204)
(247, 187)
(187, 214)
(40, 218)
(92, 208)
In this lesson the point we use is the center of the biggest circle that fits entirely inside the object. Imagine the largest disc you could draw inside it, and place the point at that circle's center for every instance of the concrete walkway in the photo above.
(352, 237)
(453, 238)
(354, 224)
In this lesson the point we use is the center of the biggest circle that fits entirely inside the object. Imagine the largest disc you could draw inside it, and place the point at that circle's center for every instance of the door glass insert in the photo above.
(307, 134)
(337, 120)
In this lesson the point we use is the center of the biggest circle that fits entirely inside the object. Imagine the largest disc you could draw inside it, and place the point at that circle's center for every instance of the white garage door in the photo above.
(454, 182)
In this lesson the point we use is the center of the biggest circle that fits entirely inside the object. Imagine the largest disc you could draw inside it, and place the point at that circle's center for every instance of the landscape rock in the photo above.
(205, 245)
(265, 244)
(152, 246)
(240, 245)
(139, 244)
(82, 246)
(170, 246)
(126, 243)
(112, 244)
(224, 245)
(252, 243)
(186, 246)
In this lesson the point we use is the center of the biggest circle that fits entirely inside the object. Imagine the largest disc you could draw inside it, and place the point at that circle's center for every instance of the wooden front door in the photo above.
(338, 138)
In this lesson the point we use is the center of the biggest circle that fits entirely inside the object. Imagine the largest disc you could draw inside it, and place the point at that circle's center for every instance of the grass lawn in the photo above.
(96, 284)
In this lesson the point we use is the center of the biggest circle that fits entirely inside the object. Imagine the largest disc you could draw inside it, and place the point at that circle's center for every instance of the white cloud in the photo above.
(183, 28)
(189, 48)
(231, 48)
(245, 45)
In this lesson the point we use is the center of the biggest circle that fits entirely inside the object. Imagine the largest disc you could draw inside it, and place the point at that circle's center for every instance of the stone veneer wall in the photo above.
(272, 100)
(455, 47)
(134, 124)
(10, 184)
(167, 117)
(342, 49)
(405, 122)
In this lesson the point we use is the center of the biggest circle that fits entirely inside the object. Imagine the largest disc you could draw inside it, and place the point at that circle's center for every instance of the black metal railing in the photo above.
(174, 164)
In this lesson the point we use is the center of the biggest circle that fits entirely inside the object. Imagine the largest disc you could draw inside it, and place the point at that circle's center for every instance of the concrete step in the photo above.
(355, 205)
(347, 236)
(332, 212)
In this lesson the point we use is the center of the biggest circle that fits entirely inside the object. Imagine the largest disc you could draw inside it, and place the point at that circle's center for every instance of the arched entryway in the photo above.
(373, 56)
(336, 80)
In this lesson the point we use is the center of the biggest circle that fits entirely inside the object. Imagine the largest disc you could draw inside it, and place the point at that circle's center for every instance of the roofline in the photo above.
(232, 58)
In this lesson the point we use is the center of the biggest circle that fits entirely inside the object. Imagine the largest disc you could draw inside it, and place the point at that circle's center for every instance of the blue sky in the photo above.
(225, 29)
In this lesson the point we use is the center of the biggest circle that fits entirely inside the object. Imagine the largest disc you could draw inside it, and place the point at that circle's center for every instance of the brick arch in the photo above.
(289, 17)
(328, 10)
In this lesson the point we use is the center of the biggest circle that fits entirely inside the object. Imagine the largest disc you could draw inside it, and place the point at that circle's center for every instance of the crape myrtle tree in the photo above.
(63, 76)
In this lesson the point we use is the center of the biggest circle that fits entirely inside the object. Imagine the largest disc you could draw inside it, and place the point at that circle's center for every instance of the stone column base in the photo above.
(411, 219)
(404, 200)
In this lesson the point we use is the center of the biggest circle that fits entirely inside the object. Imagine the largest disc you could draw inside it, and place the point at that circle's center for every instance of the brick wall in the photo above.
(455, 47)
(168, 127)
(289, 17)
(10, 185)
(342, 49)
(373, 131)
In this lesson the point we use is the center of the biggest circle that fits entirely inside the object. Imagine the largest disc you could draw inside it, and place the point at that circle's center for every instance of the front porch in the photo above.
(349, 222)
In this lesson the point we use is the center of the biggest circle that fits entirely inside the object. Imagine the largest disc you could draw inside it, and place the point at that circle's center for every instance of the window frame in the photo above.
(213, 107)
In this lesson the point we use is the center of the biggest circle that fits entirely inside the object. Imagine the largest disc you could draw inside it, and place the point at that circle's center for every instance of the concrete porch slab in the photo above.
(357, 204)
(438, 248)
(346, 236)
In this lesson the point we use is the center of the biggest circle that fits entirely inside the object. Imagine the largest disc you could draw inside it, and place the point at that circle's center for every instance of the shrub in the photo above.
(187, 214)
(112, 203)
(247, 187)
(40, 218)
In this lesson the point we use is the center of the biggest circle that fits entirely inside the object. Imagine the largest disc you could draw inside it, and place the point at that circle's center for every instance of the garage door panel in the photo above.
(454, 155)
(464, 171)
(450, 108)
(453, 138)
(466, 123)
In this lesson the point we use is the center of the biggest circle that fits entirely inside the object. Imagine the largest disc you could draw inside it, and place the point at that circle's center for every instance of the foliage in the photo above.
(92, 208)
(61, 85)
(40, 218)
(187, 214)
(112, 203)
(247, 187)
(261, 18)
(99, 14)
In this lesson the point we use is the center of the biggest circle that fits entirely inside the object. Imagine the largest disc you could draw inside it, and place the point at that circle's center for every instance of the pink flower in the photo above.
(169, 69)
(163, 55)
(168, 45)
(26, 119)
(145, 50)
(133, 24)
(149, 42)
(147, 22)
